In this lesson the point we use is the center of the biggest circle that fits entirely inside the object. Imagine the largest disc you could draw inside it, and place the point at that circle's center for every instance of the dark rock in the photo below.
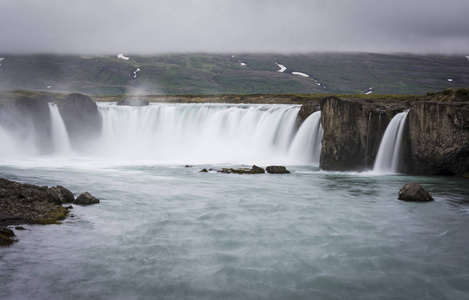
(20, 228)
(61, 195)
(414, 192)
(133, 102)
(6, 237)
(254, 170)
(203, 171)
(306, 110)
(353, 131)
(86, 199)
(277, 170)
(187, 166)
(67, 195)
(28, 115)
(27, 203)
(81, 117)
(257, 170)
(438, 142)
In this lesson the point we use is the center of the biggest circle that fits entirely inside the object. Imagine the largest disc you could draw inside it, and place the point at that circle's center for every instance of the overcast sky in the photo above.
(158, 26)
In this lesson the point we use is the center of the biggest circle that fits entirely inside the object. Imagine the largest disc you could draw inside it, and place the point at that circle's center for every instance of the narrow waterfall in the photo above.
(389, 153)
(61, 143)
(184, 134)
(306, 146)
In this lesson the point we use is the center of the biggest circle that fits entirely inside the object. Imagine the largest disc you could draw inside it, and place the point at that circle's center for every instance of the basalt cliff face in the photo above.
(29, 116)
(438, 139)
(81, 117)
(352, 131)
(435, 142)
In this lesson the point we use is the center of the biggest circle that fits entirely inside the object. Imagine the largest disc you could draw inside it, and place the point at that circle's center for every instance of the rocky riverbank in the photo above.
(22, 203)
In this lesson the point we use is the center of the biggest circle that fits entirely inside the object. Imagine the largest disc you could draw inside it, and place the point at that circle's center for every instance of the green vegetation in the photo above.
(54, 216)
(216, 74)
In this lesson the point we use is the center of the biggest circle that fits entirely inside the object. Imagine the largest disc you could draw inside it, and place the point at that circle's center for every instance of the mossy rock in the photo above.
(53, 217)
(7, 237)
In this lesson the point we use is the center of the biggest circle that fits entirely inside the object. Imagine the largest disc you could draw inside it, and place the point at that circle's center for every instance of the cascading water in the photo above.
(194, 134)
(306, 145)
(61, 144)
(389, 153)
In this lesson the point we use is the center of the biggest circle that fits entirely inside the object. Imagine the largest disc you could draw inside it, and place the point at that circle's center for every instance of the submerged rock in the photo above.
(277, 170)
(86, 199)
(414, 192)
(254, 170)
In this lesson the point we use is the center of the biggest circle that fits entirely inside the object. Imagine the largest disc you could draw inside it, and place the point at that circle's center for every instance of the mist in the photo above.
(152, 27)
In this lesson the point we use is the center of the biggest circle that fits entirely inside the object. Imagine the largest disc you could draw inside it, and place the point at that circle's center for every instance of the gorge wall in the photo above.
(352, 130)
(438, 139)
(436, 136)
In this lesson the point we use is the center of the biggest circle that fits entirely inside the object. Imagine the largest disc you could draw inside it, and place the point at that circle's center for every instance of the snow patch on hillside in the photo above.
(467, 57)
(1, 58)
(135, 73)
(121, 56)
(282, 67)
(300, 74)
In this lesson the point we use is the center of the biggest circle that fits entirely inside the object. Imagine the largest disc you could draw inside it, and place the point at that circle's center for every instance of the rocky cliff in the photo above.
(438, 138)
(353, 130)
(81, 117)
(29, 117)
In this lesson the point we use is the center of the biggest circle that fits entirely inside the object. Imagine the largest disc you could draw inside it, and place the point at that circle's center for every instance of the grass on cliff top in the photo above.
(448, 95)
(253, 98)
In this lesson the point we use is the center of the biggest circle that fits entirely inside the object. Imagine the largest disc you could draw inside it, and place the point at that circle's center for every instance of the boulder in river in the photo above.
(86, 199)
(277, 170)
(414, 192)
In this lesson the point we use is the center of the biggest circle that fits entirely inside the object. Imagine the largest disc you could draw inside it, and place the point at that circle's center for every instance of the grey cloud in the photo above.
(102, 26)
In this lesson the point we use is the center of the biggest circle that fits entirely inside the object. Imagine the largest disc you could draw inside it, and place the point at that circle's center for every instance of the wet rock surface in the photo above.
(81, 118)
(30, 203)
(414, 192)
(86, 199)
(438, 142)
(277, 170)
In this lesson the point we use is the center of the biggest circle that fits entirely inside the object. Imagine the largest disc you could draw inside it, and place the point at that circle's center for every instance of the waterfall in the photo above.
(306, 146)
(60, 141)
(389, 153)
(185, 134)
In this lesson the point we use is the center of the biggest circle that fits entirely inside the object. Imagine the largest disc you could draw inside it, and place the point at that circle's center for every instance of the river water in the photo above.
(166, 231)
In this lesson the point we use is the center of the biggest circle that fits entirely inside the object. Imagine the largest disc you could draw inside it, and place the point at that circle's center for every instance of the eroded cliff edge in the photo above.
(438, 139)
(436, 136)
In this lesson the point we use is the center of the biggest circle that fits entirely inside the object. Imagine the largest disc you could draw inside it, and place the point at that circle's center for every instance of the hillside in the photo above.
(210, 74)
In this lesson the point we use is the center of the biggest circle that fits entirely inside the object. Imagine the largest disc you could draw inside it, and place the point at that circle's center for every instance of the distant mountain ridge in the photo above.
(210, 74)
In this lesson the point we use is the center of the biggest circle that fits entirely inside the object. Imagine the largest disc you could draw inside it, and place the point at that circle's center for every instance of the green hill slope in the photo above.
(198, 74)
